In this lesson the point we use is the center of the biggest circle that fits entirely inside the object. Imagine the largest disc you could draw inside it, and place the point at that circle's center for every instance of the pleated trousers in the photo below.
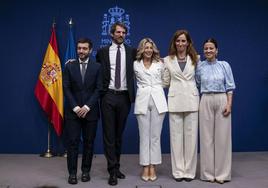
(215, 138)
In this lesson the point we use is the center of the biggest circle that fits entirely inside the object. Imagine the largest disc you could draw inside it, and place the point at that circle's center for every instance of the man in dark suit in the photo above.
(116, 96)
(81, 83)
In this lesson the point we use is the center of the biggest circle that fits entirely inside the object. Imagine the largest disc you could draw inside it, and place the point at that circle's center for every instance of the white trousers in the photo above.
(150, 127)
(215, 138)
(183, 142)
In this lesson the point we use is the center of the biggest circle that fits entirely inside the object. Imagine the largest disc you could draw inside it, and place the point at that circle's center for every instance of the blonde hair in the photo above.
(141, 48)
(190, 48)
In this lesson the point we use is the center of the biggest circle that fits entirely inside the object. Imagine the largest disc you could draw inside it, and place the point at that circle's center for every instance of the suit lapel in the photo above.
(188, 63)
(128, 63)
(107, 56)
(89, 65)
(127, 57)
(107, 63)
(78, 72)
(176, 66)
(187, 72)
(143, 68)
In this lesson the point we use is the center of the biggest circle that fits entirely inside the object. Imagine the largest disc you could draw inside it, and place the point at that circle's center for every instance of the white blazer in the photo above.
(183, 95)
(149, 83)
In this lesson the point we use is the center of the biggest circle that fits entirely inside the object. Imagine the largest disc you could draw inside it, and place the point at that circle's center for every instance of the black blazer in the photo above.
(102, 57)
(78, 93)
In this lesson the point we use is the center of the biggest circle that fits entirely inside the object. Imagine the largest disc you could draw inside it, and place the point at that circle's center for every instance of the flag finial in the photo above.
(71, 22)
(54, 22)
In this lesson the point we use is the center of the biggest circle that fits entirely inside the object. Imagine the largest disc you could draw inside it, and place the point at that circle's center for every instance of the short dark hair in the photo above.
(85, 40)
(113, 27)
(212, 40)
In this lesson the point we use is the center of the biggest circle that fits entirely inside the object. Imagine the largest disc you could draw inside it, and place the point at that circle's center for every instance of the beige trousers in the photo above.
(183, 142)
(215, 138)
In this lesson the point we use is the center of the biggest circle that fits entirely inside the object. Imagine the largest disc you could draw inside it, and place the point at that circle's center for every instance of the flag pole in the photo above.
(48, 153)
(70, 26)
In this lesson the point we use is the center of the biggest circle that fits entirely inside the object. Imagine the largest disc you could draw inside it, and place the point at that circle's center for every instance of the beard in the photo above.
(83, 56)
(119, 40)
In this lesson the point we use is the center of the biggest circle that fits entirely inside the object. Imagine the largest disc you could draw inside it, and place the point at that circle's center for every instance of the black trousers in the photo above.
(74, 127)
(115, 108)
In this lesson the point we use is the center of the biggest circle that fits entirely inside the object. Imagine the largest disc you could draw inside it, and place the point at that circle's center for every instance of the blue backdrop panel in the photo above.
(240, 28)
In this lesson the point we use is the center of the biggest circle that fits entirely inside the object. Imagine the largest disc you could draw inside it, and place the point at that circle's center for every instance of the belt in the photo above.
(118, 92)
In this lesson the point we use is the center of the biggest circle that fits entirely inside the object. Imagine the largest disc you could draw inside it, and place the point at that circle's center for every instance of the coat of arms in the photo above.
(50, 73)
(114, 14)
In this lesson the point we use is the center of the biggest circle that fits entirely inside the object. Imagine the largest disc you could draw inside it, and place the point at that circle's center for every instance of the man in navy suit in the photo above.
(81, 83)
(116, 96)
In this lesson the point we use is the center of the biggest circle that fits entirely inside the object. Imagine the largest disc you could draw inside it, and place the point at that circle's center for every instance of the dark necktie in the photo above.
(83, 71)
(117, 82)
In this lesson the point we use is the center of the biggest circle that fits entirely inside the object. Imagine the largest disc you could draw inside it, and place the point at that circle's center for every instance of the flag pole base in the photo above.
(47, 154)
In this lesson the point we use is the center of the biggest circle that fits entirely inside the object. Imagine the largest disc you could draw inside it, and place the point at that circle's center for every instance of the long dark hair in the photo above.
(190, 48)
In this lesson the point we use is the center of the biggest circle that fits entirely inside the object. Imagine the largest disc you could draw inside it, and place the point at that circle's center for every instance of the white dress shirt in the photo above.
(86, 62)
(112, 55)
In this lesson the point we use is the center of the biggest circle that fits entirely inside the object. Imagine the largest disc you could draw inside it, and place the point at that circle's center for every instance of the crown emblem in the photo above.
(114, 14)
(116, 11)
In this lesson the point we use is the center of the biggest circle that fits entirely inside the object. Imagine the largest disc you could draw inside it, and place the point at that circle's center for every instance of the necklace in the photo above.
(181, 58)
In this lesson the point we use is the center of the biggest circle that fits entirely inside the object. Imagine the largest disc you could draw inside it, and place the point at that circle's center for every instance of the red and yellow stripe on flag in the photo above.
(48, 90)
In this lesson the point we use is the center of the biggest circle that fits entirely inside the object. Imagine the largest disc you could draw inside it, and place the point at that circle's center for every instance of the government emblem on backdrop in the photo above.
(114, 14)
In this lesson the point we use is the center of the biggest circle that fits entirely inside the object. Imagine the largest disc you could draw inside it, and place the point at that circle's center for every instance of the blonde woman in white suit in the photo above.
(183, 102)
(150, 106)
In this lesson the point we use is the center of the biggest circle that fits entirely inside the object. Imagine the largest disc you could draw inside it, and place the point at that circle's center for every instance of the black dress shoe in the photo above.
(188, 179)
(72, 179)
(112, 180)
(120, 175)
(178, 179)
(85, 177)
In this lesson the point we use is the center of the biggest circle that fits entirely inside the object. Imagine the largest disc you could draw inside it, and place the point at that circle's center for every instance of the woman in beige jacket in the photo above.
(183, 101)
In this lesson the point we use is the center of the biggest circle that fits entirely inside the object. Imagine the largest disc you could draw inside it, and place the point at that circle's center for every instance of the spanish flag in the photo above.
(48, 89)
